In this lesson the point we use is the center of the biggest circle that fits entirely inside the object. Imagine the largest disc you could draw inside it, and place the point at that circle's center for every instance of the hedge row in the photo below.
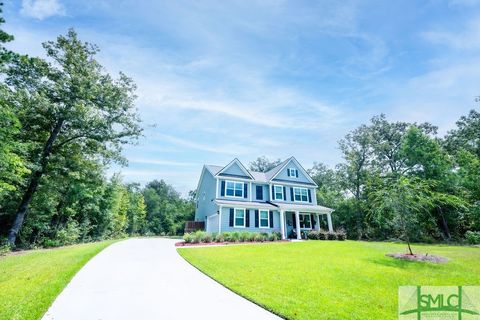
(323, 235)
(205, 237)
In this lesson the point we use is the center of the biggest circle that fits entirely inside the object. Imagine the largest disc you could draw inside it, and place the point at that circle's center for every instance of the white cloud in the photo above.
(467, 37)
(160, 162)
(41, 9)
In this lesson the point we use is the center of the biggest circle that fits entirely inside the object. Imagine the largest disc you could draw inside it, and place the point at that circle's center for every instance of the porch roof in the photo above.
(303, 207)
(246, 204)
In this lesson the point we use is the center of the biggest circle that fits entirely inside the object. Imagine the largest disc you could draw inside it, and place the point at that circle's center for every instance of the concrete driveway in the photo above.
(140, 279)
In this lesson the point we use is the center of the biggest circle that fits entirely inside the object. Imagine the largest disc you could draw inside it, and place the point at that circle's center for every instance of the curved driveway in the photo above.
(140, 279)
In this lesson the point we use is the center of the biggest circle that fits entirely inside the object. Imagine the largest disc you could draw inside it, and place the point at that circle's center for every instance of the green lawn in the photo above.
(331, 279)
(30, 281)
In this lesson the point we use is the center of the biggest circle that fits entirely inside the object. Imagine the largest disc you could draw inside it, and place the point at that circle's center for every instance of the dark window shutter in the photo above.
(309, 195)
(231, 217)
(289, 173)
(296, 173)
(285, 193)
(259, 192)
(222, 192)
(294, 221)
(247, 217)
(273, 193)
(256, 218)
(292, 198)
(245, 190)
(312, 221)
(271, 219)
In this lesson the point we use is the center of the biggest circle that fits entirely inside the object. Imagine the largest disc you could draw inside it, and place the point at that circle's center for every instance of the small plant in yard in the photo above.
(199, 236)
(473, 237)
(273, 236)
(208, 238)
(313, 235)
(251, 236)
(227, 236)
(244, 236)
(341, 235)
(235, 237)
(331, 236)
(257, 237)
(219, 237)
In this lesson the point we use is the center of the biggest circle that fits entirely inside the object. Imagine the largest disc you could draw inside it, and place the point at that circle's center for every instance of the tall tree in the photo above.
(263, 164)
(70, 101)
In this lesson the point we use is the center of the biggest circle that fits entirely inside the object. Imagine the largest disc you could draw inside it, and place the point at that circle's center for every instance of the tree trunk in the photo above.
(33, 184)
(446, 229)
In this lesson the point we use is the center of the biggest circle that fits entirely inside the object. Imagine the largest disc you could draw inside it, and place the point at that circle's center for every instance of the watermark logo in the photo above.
(446, 303)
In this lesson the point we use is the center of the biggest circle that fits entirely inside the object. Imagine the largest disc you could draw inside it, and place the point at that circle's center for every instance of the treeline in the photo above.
(402, 180)
(63, 121)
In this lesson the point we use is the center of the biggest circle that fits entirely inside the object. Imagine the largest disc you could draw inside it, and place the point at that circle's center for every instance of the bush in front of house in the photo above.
(473, 237)
(188, 237)
(341, 235)
(313, 235)
(219, 237)
(244, 236)
(199, 236)
(205, 237)
(331, 236)
(322, 235)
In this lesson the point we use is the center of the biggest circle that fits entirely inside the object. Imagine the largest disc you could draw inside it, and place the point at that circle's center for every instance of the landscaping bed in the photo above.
(205, 238)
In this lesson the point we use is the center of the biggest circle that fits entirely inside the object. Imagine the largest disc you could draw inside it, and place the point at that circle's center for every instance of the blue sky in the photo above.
(224, 79)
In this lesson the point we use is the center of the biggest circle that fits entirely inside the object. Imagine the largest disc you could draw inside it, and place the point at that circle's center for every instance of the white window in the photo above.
(305, 221)
(278, 192)
(291, 172)
(300, 194)
(239, 221)
(264, 219)
(234, 189)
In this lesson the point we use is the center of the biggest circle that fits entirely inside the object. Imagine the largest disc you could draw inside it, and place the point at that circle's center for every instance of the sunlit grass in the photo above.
(331, 279)
(30, 281)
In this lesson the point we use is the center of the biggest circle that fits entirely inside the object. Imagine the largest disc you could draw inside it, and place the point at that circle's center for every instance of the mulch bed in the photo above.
(225, 243)
(418, 257)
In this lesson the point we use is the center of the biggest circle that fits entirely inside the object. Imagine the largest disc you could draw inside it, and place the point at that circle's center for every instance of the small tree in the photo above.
(406, 198)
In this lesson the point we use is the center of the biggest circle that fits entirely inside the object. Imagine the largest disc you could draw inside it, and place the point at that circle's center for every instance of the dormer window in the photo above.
(234, 189)
(291, 172)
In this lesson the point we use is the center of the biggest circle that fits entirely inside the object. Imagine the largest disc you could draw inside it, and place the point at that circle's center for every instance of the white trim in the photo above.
(282, 223)
(305, 173)
(234, 196)
(300, 188)
(216, 189)
(260, 219)
(235, 218)
(289, 172)
(275, 192)
(220, 219)
(250, 191)
(242, 167)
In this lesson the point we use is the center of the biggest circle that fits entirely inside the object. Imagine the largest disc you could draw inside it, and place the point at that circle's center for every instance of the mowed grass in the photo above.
(30, 281)
(331, 279)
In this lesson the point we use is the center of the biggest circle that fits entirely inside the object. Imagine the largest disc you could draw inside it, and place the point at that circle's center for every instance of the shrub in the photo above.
(341, 235)
(264, 236)
(235, 237)
(312, 235)
(331, 236)
(227, 236)
(278, 234)
(208, 238)
(199, 236)
(188, 237)
(244, 236)
(69, 234)
(219, 237)
(272, 237)
(50, 243)
(473, 237)
(257, 237)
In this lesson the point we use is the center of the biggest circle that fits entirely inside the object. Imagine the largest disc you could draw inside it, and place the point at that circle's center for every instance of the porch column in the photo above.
(297, 220)
(282, 224)
(329, 220)
(220, 219)
(318, 222)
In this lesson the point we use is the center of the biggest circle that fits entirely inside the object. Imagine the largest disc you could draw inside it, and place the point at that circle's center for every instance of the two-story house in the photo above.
(283, 199)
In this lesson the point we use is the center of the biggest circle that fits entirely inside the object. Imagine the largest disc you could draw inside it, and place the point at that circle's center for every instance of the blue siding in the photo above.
(226, 219)
(266, 192)
(205, 195)
(235, 170)
(282, 175)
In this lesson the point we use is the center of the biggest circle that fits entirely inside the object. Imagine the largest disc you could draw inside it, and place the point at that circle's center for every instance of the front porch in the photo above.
(298, 219)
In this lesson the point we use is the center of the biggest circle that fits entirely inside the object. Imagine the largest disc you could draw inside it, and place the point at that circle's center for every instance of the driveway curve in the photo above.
(140, 279)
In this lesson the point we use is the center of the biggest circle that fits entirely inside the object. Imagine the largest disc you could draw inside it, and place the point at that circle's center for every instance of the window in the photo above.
(300, 194)
(278, 192)
(305, 221)
(234, 189)
(292, 172)
(239, 220)
(264, 219)
(259, 192)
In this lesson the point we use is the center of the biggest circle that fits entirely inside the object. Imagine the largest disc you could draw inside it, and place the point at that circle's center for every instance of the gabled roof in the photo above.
(264, 177)
(241, 166)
